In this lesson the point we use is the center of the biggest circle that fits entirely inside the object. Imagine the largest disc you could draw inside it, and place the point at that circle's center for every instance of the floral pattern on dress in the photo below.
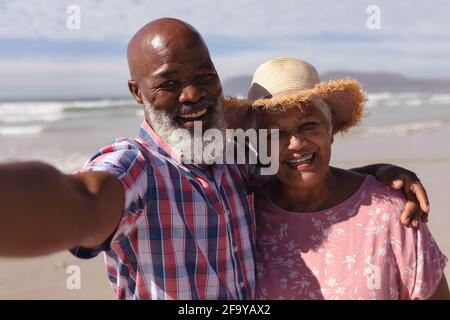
(356, 250)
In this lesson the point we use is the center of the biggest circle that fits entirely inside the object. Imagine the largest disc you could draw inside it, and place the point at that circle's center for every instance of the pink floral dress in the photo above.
(356, 250)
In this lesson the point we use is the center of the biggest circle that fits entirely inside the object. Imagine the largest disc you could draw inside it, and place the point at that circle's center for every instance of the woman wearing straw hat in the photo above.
(325, 232)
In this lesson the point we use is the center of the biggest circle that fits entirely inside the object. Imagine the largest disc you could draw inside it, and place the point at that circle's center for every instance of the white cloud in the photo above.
(414, 38)
(118, 19)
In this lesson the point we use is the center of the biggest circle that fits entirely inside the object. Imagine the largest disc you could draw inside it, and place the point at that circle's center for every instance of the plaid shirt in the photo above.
(185, 233)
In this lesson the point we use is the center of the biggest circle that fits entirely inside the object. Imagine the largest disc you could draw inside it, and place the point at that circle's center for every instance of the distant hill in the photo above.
(372, 82)
(236, 86)
(375, 82)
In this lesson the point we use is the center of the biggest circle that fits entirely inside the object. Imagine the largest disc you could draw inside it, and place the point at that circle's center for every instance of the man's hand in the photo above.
(417, 206)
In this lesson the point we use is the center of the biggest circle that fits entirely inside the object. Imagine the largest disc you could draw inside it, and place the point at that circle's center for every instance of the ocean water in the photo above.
(67, 133)
(399, 114)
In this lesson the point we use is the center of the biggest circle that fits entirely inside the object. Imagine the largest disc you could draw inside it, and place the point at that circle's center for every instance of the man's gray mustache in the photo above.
(192, 107)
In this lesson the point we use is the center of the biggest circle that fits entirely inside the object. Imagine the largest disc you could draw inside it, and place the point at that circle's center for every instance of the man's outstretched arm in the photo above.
(43, 211)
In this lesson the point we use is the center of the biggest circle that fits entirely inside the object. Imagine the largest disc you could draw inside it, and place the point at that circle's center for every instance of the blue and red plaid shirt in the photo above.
(185, 233)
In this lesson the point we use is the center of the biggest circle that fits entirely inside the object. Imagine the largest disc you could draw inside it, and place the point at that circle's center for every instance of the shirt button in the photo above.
(235, 248)
(242, 284)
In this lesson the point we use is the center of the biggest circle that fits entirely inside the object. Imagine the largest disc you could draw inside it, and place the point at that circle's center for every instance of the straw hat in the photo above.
(286, 82)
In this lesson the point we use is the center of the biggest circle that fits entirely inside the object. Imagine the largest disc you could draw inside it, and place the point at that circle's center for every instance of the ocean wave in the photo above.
(440, 98)
(89, 104)
(96, 105)
(24, 112)
(379, 96)
(413, 102)
(21, 130)
(401, 129)
(407, 99)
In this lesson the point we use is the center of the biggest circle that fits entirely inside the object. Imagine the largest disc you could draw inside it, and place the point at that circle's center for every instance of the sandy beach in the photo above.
(45, 278)
(424, 150)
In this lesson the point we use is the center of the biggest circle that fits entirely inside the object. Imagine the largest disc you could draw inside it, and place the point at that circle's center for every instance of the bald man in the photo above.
(169, 230)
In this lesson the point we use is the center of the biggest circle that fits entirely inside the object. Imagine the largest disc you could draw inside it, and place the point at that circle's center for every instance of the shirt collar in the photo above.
(155, 142)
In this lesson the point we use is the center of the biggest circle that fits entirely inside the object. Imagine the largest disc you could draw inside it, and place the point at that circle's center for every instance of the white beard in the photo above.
(193, 145)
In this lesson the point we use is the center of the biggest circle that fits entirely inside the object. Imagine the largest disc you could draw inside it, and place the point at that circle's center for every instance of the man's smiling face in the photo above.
(172, 71)
(175, 79)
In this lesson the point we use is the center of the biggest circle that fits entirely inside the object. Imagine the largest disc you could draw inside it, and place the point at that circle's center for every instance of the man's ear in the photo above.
(134, 90)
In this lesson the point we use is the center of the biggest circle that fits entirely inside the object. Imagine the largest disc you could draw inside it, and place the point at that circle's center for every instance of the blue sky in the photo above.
(41, 57)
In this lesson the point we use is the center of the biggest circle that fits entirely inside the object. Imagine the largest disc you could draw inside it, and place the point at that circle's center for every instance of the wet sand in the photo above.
(46, 278)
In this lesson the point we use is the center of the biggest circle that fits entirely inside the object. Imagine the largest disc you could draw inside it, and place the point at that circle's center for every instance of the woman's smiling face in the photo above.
(305, 143)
